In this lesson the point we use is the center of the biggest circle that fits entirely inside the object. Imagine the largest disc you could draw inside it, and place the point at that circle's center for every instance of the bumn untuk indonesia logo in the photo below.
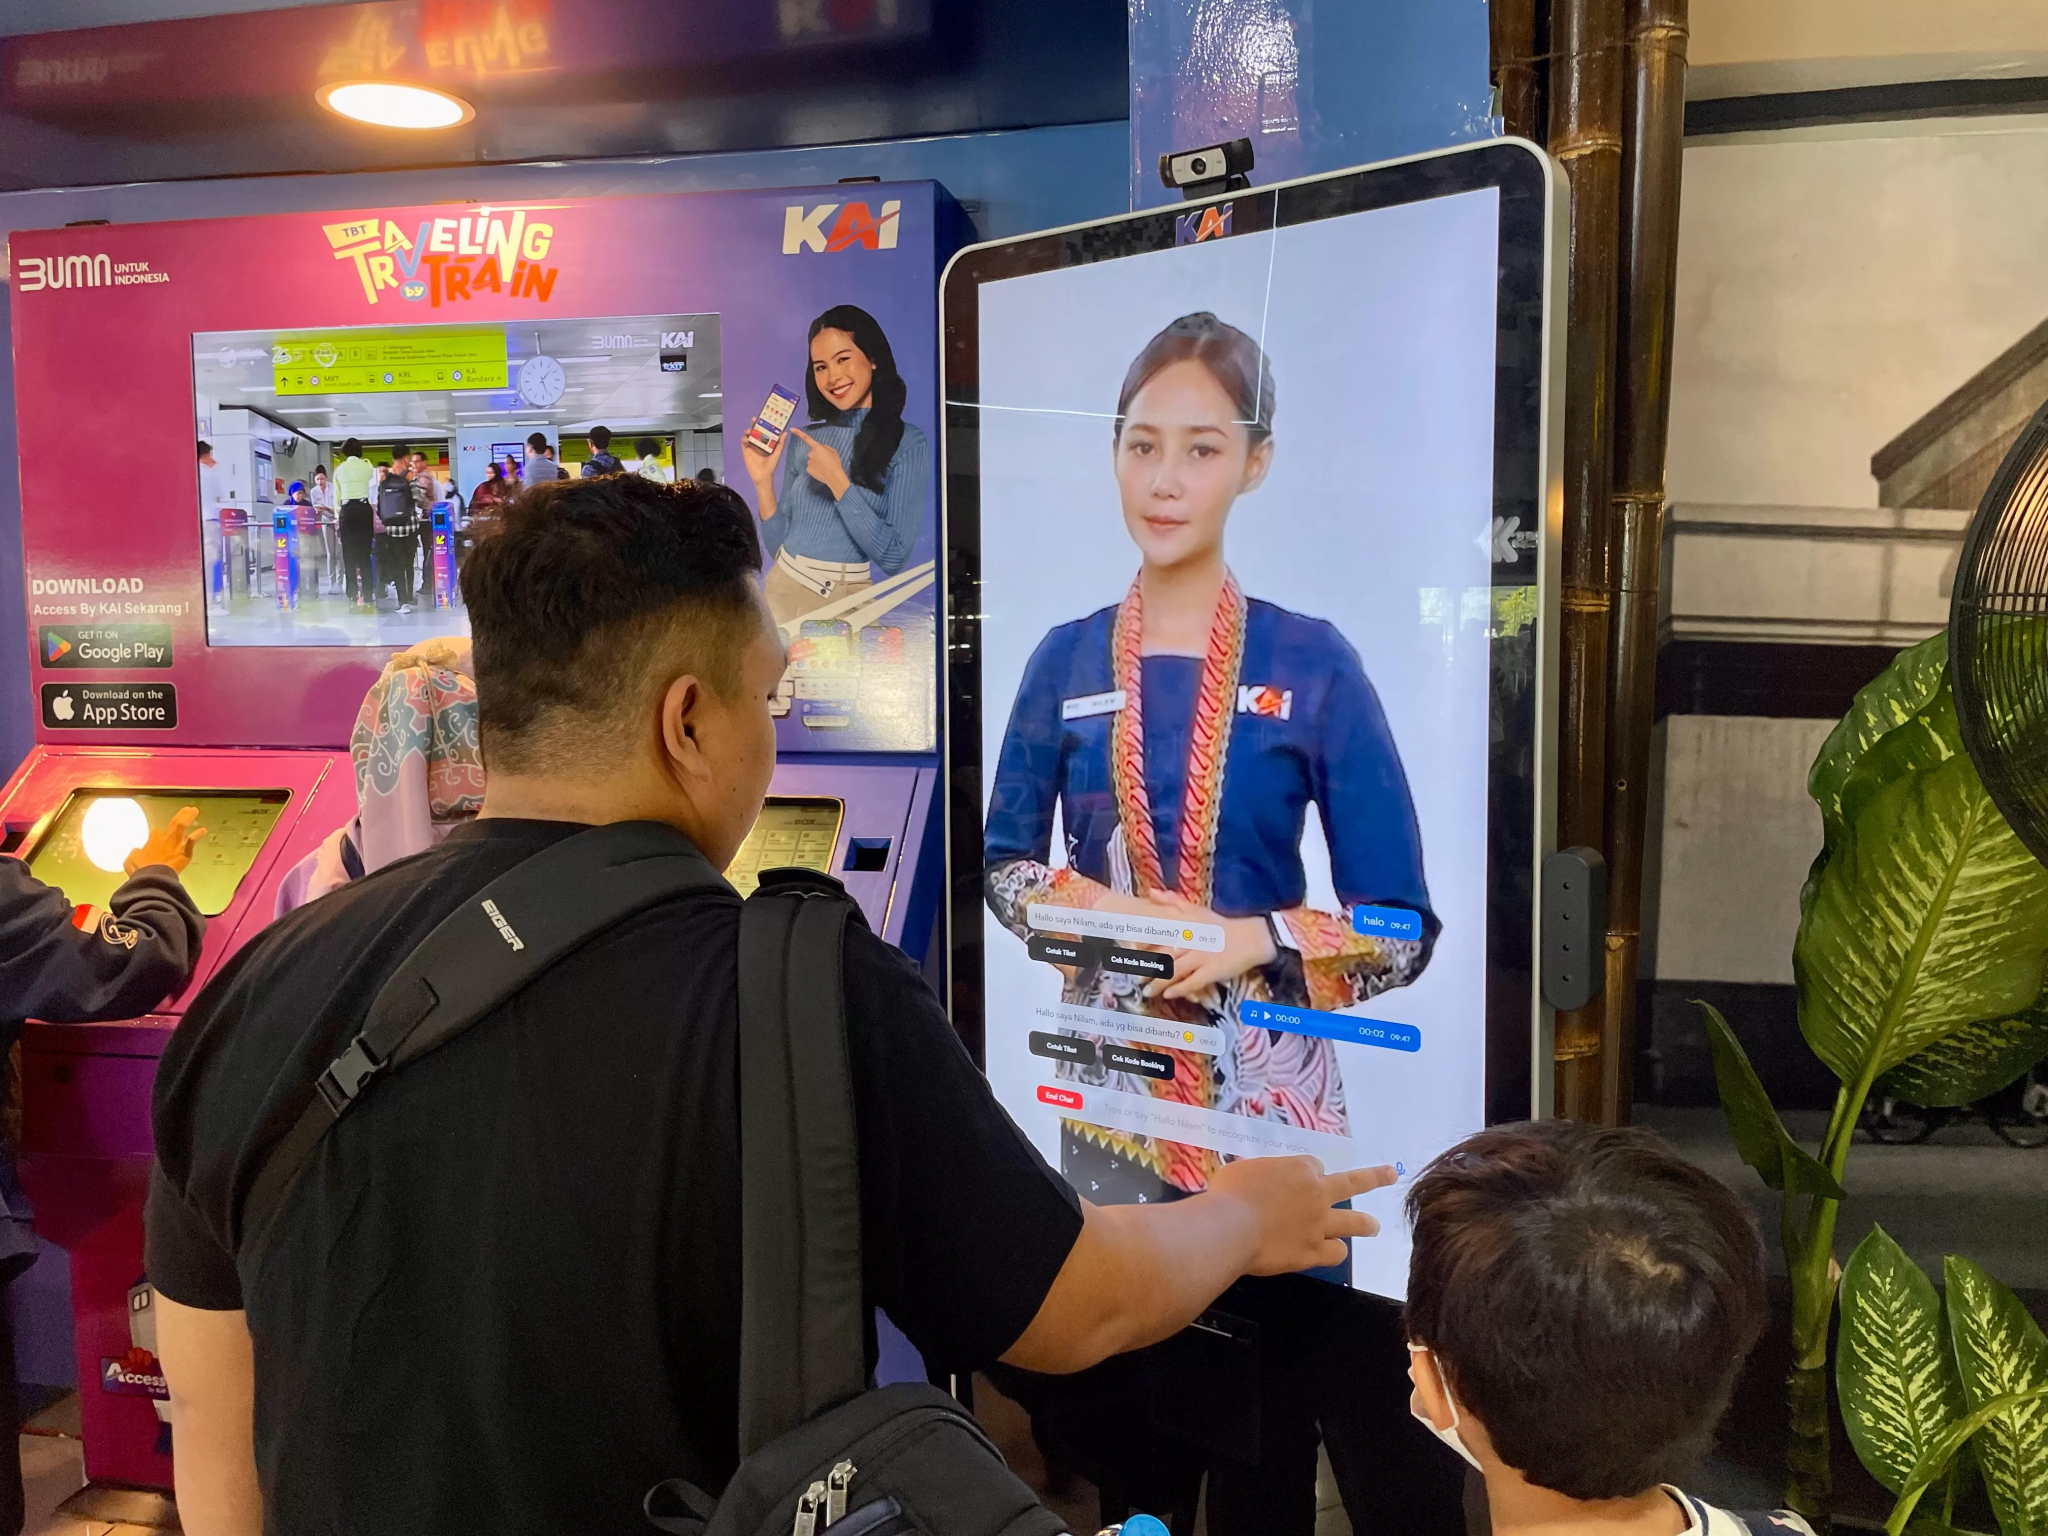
(449, 258)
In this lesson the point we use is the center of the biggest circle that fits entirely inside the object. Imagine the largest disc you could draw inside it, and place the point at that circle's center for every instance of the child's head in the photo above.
(1587, 1296)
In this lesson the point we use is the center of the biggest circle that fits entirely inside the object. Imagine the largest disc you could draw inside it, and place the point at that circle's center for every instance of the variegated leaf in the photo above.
(1930, 916)
(1897, 1380)
(1973, 1063)
(2000, 1350)
(1889, 700)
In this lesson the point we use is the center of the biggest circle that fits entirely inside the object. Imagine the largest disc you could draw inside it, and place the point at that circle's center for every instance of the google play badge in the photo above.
(55, 647)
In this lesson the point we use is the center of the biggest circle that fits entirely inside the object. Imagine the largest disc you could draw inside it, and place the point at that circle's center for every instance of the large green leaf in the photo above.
(1760, 1136)
(1893, 1370)
(1973, 1063)
(1929, 916)
(1889, 700)
(2000, 1352)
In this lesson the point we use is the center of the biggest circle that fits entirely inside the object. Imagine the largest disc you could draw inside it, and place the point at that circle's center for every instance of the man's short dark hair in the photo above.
(1590, 1296)
(647, 448)
(707, 476)
(590, 598)
(319, 469)
(601, 438)
(204, 447)
(537, 442)
(352, 449)
(400, 451)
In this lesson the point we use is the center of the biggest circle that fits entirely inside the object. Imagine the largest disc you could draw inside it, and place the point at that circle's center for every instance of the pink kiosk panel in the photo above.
(178, 646)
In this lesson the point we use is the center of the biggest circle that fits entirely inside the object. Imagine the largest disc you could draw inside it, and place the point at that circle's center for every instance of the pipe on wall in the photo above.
(1652, 161)
(1586, 99)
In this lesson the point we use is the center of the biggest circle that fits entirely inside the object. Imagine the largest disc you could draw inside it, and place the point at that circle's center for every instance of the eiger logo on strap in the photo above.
(804, 229)
(504, 928)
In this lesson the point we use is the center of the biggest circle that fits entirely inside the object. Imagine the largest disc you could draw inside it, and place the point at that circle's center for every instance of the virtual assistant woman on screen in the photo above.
(1182, 734)
(853, 488)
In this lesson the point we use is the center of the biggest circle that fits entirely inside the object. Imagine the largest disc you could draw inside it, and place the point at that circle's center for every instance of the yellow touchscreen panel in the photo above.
(792, 832)
(83, 849)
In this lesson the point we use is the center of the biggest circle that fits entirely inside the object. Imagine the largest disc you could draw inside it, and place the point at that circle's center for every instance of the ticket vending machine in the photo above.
(164, 679)
(1251, 528)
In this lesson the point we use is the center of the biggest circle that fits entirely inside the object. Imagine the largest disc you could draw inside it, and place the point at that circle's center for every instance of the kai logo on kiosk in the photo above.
(445, 259)
(804, 229)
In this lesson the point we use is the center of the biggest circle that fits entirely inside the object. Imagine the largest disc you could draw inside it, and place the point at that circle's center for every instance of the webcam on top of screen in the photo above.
(1204, 172)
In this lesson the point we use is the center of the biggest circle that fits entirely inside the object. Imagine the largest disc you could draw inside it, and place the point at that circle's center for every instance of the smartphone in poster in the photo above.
(1236, 600)
(765, 433)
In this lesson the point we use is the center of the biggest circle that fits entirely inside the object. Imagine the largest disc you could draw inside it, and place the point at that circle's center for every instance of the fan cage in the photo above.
(1998, 637)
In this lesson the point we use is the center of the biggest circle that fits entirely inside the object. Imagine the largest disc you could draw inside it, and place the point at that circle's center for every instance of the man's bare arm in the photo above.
(210, 1368)
(1140, 1273)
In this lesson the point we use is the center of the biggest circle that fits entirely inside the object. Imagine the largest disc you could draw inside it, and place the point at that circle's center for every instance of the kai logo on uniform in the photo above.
(445, 259)
(1208, 224)
(805, 229)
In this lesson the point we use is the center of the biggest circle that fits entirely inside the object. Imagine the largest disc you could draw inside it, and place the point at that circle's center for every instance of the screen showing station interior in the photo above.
(292, 555)
(84, 850)
(1236, 601)
(792, 832)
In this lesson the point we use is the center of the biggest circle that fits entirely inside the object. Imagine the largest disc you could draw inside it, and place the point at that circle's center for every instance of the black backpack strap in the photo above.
(802, 1321)
(490, 947)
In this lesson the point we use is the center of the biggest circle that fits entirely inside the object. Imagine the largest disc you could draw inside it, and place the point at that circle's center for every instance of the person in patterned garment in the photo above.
(1181, 736)
(1580, 1302)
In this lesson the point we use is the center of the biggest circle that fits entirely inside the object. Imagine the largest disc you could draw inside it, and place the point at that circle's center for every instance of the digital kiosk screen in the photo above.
(792, 832)
(83, 849)
(371, 553)
(1240, 582)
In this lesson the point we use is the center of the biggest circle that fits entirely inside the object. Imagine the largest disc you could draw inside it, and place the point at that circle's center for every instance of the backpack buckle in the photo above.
(345, 1075)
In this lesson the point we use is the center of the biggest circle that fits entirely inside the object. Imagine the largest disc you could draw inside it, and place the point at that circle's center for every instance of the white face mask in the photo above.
(1450, 1436)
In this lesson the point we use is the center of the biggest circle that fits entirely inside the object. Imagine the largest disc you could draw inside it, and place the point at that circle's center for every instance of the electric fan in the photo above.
(1998, 637)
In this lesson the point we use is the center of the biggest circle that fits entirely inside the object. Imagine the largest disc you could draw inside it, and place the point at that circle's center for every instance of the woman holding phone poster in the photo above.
(853, 488)
(1181, 735)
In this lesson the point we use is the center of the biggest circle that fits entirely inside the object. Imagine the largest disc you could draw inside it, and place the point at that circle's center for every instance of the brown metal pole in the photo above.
(1652, 163)
(1516, 38)
(1585, 135)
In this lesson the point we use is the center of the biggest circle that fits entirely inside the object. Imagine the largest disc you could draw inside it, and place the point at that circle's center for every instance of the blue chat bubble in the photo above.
(1330, 1026)
(1386, 922)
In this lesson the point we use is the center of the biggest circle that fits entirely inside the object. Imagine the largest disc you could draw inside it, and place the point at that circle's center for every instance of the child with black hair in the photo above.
(1580, 1301)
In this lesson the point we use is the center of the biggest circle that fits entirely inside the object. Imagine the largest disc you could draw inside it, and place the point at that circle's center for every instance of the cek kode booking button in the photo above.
(110, 706)
(1063, 1047)
(1156, 1065)
(1138, 962)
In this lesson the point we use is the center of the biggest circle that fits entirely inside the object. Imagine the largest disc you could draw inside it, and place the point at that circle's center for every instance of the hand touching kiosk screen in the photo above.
(1257, 526)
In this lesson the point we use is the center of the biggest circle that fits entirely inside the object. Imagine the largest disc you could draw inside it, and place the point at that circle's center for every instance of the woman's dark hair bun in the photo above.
(882, 432)
(1233, 359)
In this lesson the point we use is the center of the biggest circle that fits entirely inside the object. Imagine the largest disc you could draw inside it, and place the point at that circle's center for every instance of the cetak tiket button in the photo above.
(1063, 1047)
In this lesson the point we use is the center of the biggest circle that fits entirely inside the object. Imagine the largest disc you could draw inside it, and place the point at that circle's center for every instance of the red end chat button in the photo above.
(1065, 1098)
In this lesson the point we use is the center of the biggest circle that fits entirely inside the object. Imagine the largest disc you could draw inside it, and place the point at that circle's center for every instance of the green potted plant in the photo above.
(1928, 1389)
(1919, 963)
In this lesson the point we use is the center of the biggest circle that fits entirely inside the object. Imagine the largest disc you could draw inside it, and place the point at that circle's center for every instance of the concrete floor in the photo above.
(1964, 1191)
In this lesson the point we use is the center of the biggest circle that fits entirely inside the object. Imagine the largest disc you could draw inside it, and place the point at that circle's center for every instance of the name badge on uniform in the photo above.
(1262, 699)
(1092, 704)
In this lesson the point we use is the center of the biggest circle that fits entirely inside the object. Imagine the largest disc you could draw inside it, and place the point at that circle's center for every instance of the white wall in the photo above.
(1831, 289)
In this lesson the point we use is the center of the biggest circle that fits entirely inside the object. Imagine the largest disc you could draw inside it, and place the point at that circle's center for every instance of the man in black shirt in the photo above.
(504, 1294)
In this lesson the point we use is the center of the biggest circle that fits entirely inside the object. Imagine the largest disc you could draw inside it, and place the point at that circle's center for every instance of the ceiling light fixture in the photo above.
(387, 104)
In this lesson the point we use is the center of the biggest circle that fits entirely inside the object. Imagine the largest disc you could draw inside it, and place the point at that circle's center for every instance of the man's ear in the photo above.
(1256, 463)
(682, 721)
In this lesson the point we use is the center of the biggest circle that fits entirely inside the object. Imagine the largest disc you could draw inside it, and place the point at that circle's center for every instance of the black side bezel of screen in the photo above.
(1518, 493)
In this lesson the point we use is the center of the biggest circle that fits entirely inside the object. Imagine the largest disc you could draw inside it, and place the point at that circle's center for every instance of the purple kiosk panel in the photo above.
(200, 635)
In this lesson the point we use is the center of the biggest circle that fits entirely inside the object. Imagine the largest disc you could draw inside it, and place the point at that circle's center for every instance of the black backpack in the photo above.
(822, 1450)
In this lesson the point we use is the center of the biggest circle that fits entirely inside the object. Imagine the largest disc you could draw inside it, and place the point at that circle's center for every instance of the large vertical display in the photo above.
(1251, 504)
(299, 424)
